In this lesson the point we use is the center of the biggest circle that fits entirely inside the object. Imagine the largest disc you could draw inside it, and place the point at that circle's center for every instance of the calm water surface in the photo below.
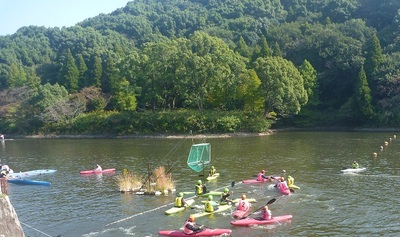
(329, 203)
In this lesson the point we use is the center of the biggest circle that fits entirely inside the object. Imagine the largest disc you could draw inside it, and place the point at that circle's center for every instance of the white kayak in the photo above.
(351, 170)
(30, 173)
(173, 210)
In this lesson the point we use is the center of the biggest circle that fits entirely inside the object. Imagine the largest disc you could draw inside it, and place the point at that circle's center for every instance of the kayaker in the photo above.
(261, 176)
(179, 201)
(210, 205)
(266, 214)
(212, 171)
(290, 181)
(243, 205)
(190, 226)
(225, 196)
(200, 188)
(98, 168)
(282, 184)
(355, 165)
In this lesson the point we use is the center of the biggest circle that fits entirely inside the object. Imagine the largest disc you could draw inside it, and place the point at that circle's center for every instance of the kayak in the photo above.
(28, 182)
(351, 170)
(294, 186)
(239, 214)
(221, 208)
(213, 193)
(30, 173)
(214, 176)
(255, 181)
(251, 200)
(173, 210)
(205, 232)
(259, 221)
(97, 172)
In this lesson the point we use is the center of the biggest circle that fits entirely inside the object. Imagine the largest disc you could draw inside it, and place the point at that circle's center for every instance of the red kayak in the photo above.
(259, 221)
(97, 171)
(205, 232)
(254, 181)
(239, 214)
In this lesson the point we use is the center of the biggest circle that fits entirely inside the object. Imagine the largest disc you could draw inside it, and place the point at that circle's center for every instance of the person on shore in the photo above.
(190, 226)
(210, 205)
(212, 171)
(98, 168)
(225, 196)
(243, 205)
(180, 201)
(200, 188)
(355, 165)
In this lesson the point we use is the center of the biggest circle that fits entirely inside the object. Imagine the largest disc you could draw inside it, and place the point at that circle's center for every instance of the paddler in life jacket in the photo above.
(355, 165)
(225, 196)
(200, 188)
(212, 171)
(243, 205)
(179, 201)
(266, 214)
(290, 181)
(261, 176)
(210, 205)
(282, 184)
(190, 226)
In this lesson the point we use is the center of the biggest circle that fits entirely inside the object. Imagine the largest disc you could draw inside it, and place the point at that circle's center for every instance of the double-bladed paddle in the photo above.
(269, 202)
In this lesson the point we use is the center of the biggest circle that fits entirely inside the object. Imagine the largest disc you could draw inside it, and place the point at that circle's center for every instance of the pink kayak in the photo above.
(205, 232)
(239, 214)
(97, 172)
(254, 181)
(259, 221)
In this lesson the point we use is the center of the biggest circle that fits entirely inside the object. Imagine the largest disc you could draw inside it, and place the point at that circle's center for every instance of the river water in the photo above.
(329, 203)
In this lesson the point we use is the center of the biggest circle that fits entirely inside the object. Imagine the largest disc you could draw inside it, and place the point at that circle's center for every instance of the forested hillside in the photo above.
(208, 66)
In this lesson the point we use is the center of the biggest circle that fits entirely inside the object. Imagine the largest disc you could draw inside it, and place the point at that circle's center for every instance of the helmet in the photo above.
(283, 171)
(199, 181)
(263, 171)
(210, 197)
(192, 218)
(212, 167)
(180, 194)
(265, 207)
(289, 177)
(226, 190)
(282, 179)
(243, 196)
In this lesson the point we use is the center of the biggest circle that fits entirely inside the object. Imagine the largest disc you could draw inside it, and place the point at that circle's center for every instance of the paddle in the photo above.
(269, 202)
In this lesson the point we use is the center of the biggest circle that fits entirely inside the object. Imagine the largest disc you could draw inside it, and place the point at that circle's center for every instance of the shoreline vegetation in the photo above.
(205, 135)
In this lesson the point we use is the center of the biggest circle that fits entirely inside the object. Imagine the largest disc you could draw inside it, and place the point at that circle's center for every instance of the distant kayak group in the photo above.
(242, 206)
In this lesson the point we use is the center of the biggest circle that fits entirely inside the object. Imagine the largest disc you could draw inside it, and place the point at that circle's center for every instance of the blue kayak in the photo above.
(28, 182)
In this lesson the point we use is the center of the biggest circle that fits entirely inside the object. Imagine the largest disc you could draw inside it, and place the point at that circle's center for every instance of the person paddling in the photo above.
(180, 201)
(98, 168)
(261, 176)
(212, 171)
(243, 205)
(200, 188)
(190, 226)
(355, 165)
(225, 196)
(266, 214)
(210, 205)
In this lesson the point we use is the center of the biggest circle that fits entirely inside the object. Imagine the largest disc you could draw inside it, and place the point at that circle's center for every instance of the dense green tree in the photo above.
(69, 74)
(96, 72)
(283, 86)
(16, 75)
(83, 72)
(363, 97)
(373, 60)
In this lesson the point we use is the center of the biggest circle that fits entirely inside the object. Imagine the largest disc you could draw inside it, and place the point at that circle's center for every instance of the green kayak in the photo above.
(174, 210)
(251, 200)
(216, 175)
(221, 208)
(213, 193)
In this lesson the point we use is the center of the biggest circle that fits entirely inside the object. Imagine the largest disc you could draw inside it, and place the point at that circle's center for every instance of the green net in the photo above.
(199, 156)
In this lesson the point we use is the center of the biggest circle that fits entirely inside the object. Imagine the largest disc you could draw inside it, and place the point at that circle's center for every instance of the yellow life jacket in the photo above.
(178, 202)
(208, 207)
